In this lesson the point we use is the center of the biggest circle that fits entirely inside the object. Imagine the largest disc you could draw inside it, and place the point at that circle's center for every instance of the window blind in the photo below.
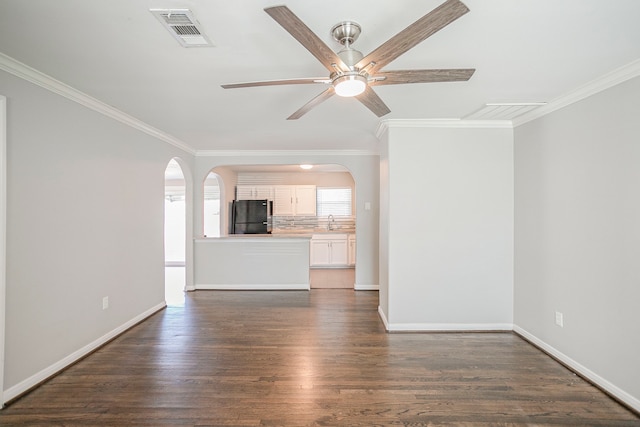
(333, 201)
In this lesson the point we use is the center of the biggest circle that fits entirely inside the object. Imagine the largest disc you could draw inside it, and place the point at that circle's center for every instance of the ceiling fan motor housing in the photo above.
(350, 57)
(345, 33)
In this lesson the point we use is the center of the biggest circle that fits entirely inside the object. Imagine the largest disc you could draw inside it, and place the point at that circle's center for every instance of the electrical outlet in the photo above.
(105, 303)
(559, 319)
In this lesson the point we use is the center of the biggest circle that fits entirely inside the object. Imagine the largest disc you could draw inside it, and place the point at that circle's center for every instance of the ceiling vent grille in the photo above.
(505, 111)
(183, 27)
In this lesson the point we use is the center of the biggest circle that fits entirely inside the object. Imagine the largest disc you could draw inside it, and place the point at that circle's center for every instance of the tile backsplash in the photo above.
(282, 224)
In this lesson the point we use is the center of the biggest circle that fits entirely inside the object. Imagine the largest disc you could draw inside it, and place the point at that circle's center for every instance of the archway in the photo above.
(175, 238)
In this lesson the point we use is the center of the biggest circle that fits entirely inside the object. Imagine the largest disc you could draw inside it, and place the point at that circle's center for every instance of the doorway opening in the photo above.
(174, 234)
(324, 207)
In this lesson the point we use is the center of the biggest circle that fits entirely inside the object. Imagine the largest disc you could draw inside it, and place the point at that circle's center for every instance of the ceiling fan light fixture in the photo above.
(349, 85)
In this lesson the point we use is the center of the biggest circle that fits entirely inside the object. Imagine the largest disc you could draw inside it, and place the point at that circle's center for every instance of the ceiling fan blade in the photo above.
(421, 76)
(303, 81)
(311, 104)
(372, 101)
(307, 38)
(415, 33)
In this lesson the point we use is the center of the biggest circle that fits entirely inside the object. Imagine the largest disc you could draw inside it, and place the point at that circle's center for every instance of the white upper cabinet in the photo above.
(244, 192)
(264, 192)
(254, 192)
(305, 199)
(294, 200)
(283, 200)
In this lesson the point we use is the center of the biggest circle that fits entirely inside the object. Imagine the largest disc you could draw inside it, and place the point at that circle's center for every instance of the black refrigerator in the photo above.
(251, 216)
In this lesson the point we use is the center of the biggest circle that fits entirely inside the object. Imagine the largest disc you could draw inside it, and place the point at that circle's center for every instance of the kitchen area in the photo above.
(281, 227)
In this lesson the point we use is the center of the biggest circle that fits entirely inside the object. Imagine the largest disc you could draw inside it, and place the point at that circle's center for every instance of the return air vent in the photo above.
(505, 111)
(183, 27)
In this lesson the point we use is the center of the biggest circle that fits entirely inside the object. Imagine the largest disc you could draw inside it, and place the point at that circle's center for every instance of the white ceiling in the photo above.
(117, 52)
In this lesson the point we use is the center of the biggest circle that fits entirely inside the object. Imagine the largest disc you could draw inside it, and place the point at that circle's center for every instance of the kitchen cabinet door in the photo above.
(338, 249)
(244, 192)
(295, 200)
(283, 200)
(328, 250)
(264, 192)
(352, 250)
(305, 199)
(319, 253)
(254, 192)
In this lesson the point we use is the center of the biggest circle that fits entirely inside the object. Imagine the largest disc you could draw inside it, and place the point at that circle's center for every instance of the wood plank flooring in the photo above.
(317, 358)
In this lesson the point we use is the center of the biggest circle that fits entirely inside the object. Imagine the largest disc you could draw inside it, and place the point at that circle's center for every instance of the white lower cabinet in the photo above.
(352, 250)
(329, 250)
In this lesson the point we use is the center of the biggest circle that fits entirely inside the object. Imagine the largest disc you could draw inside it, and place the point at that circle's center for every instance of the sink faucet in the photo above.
(330, 222)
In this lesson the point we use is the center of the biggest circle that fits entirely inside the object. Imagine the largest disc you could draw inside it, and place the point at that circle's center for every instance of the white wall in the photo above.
(385, 204)
(577, 218)
(450, 228)
(85, 221)
(363, 167)
(3, 234)
(229, 180)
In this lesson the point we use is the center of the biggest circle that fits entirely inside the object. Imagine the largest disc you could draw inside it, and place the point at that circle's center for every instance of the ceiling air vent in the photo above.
(183, 26)
(506, 111)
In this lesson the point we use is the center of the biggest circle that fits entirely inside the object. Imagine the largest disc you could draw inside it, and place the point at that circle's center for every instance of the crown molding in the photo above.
(441, 123)
(615, 77)
(600, 84)
(36, 77)
(280, 153)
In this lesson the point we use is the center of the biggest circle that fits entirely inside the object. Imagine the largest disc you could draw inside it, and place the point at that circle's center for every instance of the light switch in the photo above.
(367, 206)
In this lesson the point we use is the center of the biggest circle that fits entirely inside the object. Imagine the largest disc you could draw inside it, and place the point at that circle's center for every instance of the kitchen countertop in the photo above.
(246, 237)
(288, 234)
(314, 231)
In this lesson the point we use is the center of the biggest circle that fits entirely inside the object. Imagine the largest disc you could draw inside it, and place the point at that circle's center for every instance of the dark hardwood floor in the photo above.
(310, 358)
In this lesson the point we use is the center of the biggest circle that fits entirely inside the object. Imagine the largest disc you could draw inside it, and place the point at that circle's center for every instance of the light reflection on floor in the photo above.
(174, 280)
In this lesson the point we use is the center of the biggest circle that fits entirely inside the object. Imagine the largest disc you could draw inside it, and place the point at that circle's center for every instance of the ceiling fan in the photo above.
(353, 74)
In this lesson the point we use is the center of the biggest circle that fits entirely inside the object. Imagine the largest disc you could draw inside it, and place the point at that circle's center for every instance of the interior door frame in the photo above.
(3, 236)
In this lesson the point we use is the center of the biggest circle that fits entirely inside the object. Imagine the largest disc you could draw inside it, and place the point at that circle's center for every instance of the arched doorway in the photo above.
(175, 234)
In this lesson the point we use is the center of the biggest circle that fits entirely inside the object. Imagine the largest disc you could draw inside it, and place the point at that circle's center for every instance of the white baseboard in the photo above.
(610, 388)
(383, 317)
(190, 288)
(34, 380)
(370, 287)
(449, 327)
(442, 327)
(254, 287)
